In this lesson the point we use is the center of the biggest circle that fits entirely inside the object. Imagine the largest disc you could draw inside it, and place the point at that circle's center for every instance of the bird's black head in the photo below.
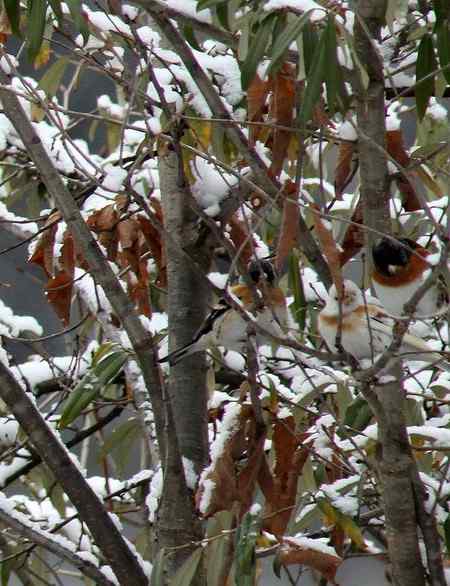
(390, 255)
(261, 268)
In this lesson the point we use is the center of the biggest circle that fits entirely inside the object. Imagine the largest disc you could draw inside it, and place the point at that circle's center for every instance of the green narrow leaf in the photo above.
(310, 40)
(256, 50)
(358, 414)
(56, 7)
(51, 80)
(76, 12)
(284, 40)
(78, 400)
(246, 536)
(223, 15)
(37, 10)
(298, 307)
(119, 443)
(202, 4)
(426, 64)
(443, 47)
(314, 81)
(6, 570)
(158, 577)
(217, 550)
(447, 533)
(188, 570)
(189, 35)
(332, 67)
(12, 8)
(91, 385)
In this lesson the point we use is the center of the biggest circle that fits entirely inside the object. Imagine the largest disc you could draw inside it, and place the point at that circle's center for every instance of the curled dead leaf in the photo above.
(43, 252)
(289, 230)
(346, 166)
(304, 552)
(329, 248)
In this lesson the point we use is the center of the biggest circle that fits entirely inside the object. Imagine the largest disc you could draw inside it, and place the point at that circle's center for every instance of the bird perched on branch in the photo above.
(226, 326)
(366, 328)
(400, 267)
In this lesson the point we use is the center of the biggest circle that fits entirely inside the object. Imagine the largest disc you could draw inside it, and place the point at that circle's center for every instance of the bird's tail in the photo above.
(174, 357)
(422, 351)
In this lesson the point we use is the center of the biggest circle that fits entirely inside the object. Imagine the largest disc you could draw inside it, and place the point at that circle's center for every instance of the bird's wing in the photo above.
(208, 324)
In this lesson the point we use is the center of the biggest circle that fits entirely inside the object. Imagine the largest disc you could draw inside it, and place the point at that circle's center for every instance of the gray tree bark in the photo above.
(370, 111)
(403, 492)
(187, 303)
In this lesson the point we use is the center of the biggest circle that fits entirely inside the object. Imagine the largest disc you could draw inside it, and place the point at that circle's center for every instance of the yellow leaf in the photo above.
(43, 56)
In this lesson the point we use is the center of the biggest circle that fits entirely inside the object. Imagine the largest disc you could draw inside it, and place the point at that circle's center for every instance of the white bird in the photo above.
(366, 329)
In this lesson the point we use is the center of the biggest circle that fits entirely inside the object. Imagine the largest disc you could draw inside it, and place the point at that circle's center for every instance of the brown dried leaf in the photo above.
(128, 231)
(280, 486)
(59, 294)
(346, 166)
(289, 229)
(281, 113)
(292, 551)
(242, 240)
(154, 244)
(235, 471)
(354, 237)
(67, 259)
(396, 149)
(43, 253)
(104, 222)
(257, 105)
(329, 248)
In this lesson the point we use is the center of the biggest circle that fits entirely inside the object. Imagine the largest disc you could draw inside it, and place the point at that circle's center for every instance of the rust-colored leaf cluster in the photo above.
(274, 97)
(294, 552)
(346, 166)
(235, 471)
(59, 270)
(289, 229)
(329, 248)
(243, 464)
(279, 485)
(396, 149)
(129, 240)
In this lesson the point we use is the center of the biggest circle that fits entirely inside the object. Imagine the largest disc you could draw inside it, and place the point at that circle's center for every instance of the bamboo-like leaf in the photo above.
(358, 414)
(90, 386)
(246, 536)
(217, 550)
(298, 307)
(187, 572)
(332, 67)
(426, 64)
(37, 10)
(51, 80)
(202, 4)
(76, 12)
(443, 47)
(447, 534)
(158, 577)
(314, 80)
(256, 50)
(223, 15)
(56, 7)
(283, 42)
(119, 443)
(12, 8)
(310, 40)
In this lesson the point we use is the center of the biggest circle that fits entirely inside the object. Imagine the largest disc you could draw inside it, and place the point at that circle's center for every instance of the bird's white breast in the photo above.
(394, 298)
